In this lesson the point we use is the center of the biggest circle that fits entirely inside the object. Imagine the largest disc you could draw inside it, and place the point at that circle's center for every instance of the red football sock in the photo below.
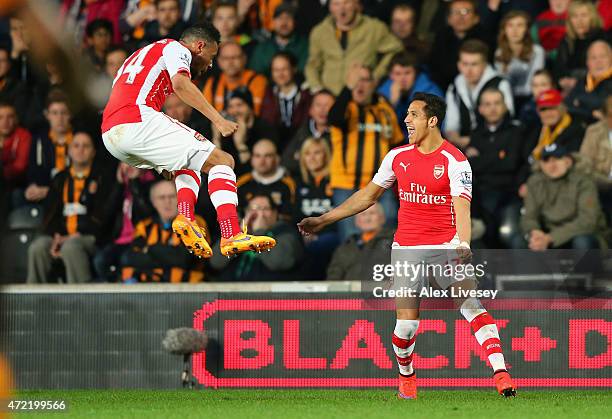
(222, 191)
(187, 188)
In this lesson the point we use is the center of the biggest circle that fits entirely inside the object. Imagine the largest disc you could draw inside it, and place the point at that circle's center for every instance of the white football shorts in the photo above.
(158, 142)
(437, 266)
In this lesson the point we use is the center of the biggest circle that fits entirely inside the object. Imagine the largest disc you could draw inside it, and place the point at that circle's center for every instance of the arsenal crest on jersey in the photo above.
(438, 171)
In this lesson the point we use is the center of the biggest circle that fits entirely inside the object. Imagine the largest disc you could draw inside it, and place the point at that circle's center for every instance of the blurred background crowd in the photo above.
(320, 89)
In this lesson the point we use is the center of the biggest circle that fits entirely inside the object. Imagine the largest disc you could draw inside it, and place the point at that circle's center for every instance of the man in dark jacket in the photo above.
(280, 264)
(49, 149)
(558, 126)
(283, 38)
(463, 23)
(355, 259)
(496, 154)
(587, 98)
(12, 90)
(168, 23)
(74, 214)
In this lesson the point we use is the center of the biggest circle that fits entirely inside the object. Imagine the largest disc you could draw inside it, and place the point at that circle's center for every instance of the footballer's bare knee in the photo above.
(217, 158)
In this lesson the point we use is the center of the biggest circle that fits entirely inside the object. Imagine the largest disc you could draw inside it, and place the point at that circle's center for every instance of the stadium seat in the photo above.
(14, 256)
(28, 217)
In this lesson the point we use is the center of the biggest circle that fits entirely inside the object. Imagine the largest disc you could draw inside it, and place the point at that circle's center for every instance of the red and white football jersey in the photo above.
(144, 80)
(426, 184)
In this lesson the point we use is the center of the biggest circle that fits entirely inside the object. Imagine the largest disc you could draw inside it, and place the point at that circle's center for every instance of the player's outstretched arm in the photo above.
(464, 221)
(359, 201)
(191, 95)
(464, 227)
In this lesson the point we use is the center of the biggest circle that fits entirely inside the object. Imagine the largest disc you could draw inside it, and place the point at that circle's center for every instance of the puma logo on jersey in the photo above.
(404, 166)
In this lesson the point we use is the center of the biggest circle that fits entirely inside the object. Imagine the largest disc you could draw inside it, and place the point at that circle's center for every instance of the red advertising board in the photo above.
(346, 342)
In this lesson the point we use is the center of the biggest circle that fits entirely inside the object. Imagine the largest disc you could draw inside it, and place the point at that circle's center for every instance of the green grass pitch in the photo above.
(318, 404)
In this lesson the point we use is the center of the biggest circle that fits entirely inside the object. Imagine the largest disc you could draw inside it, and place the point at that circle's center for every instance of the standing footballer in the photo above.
(135, 131)
(435, 189)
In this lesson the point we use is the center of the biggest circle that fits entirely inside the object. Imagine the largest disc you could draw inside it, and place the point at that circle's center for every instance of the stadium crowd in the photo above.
(320, 89)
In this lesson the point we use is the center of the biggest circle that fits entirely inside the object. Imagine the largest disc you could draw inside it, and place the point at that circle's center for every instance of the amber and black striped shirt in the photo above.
(150, 233)
(361, 136)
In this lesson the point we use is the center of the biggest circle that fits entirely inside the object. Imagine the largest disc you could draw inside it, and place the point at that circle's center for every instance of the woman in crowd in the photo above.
(313, 198)
(517, 57)
(584, 26)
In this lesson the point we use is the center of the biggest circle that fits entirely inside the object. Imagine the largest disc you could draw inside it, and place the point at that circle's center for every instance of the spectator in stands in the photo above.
(344, 38)
(225, 19)
(371, 245)
(283, 38)
(315, 127)
(133, 19)
(379, 9)
(558, 126)
(12, 90)
(156, 253)
(364, 129)
(15, 145)
(583, 27)
(250, 129)
(54, 81)
(99, 34)
(115, 57)
(542, 80)
(405, 78)
(314, 198)
(497, 154)
(73, 217)
(262, 216)
(256, 16)
(550, 26)
(232, 61)
(267, 177)
(129, 196)
(463, 23)
(597, 148)
(168, 22)
(49, 150)
(517, 58)
(137, 13)
(587, 98)
(403, 25)
(463, 95)
(76, 14)
(285, 104)
(21, 67)
(562, 208)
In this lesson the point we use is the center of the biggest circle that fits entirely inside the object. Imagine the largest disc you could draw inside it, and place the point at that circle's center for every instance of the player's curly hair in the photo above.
(203, 30)
(434, 106)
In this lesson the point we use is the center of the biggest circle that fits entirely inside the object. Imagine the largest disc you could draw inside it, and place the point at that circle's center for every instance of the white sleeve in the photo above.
(177, 59)
(452, 121)
(460, 176)
(506, 89)
(385, 176)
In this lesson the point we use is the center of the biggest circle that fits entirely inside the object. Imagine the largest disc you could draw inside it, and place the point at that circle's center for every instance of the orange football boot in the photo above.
(192, 236)
(504, 384)
(244, 242)
(407, 387)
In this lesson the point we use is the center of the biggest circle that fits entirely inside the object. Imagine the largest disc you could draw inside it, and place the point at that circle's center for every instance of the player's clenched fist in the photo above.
(226, 127)
(310, 225)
